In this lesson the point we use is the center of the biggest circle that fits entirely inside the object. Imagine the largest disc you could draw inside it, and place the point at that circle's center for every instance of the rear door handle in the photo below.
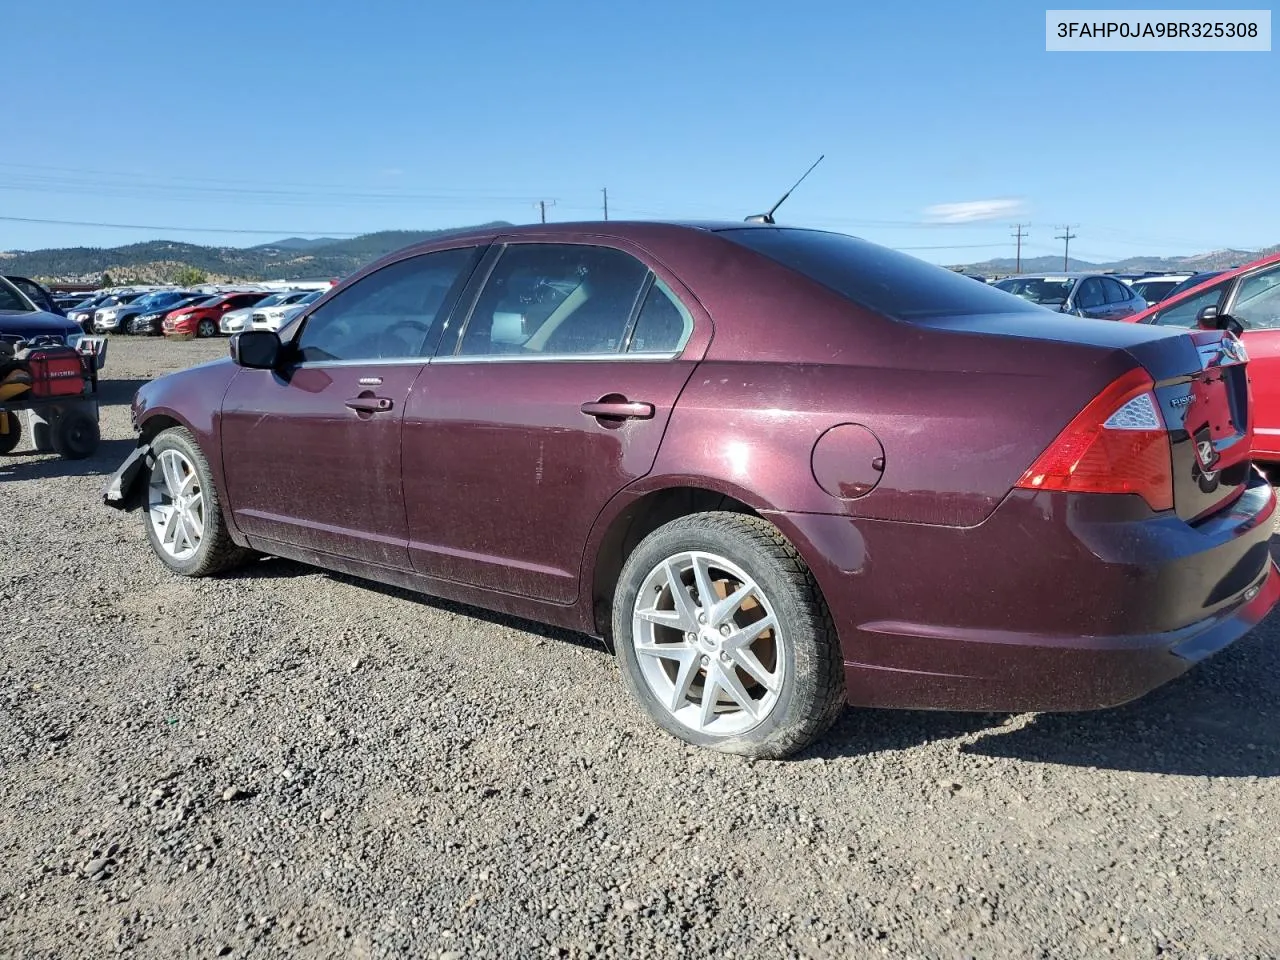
(370, 404)
(618, 410)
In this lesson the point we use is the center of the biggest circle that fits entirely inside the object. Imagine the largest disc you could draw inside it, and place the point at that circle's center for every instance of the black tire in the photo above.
(74, 435)
(217, 552)
(206, 329)
(812, 692)
(10, 439)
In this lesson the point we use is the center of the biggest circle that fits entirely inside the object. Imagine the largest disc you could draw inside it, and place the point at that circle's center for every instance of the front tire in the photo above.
(725, 639)
(206, 329)
(183, 518)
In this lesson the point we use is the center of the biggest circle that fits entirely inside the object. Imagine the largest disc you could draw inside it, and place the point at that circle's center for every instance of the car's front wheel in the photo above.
(725, 639)
(184, 520)
(206, 328)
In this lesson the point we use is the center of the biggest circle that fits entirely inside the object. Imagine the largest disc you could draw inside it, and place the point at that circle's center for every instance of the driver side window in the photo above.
(388, 314)
(1257, 305)
(1091, 294)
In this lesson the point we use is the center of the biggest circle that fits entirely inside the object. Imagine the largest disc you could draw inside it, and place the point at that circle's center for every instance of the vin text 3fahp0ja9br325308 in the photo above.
(780, 470)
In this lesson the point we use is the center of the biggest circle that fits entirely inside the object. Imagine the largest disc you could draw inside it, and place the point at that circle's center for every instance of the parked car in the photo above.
(1154, 289)
(37, 293)
(236, 320)
(106, 316)
(149, 320)
(1095, 295)
(1249, 296)
(202, 320)
(120, 319)
(276, 316)
(66, 301)
(21, 319)
(767, 523)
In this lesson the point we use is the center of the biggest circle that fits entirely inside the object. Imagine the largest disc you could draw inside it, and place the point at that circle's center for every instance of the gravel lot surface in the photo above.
(289, 763)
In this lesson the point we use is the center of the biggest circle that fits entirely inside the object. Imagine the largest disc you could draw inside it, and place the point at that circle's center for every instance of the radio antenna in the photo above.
(768, 217)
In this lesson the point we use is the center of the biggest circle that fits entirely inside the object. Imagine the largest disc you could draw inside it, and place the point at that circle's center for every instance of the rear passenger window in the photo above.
(555, 299)
(663, 324)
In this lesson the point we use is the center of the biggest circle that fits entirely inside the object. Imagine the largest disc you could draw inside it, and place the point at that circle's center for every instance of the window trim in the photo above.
(480, 280)
(424, 356)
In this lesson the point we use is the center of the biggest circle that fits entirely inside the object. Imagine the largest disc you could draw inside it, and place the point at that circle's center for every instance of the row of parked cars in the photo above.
(188, 313)
(1103, 296)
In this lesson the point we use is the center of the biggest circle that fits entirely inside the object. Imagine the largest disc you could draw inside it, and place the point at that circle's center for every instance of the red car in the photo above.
(1249, 295)
(779, 470)
(202, 320)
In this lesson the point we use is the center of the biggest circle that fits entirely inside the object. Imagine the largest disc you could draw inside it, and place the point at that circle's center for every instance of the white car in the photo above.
(234, 321)
(275, 316)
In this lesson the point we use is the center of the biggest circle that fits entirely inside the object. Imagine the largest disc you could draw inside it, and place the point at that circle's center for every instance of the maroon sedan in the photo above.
(780, 470)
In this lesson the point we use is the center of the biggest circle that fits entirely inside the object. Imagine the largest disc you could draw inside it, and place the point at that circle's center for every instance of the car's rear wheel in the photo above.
(206, 328)
(183, 519)
(724, 638)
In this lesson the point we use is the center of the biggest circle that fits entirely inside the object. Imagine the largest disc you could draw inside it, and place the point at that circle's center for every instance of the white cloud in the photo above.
(970, 211)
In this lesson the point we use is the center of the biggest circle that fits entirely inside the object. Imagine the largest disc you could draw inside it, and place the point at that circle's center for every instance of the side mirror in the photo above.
(256, 349)
(1209, 318)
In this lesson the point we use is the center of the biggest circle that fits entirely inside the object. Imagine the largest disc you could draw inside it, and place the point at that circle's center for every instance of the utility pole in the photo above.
(542, 207)
(1066, 237)
(1019, 236)
(605, 191)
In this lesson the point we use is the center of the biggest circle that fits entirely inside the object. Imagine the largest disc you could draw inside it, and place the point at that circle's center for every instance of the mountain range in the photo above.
(159, 261)
(1214, 260)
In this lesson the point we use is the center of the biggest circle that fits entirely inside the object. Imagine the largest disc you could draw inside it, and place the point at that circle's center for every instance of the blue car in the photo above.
(22, 319)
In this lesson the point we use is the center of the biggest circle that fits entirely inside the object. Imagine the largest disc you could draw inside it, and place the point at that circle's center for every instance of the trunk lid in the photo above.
(1208, 416)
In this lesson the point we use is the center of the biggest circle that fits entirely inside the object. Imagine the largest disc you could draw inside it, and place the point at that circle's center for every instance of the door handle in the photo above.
(608, 409)
(370, 404)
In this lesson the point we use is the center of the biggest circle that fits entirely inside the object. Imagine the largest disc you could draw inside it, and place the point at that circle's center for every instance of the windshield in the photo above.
(891, 283)
(1153, 291)
(1195, 281)
(1047, 291)
(273, 300)
(12, 300)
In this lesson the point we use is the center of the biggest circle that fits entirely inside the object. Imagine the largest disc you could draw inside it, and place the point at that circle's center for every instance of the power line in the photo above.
(147, 226)
(1066, 237)
(1019, 235)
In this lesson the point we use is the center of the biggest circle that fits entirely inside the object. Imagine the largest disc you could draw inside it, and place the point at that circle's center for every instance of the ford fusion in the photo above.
(777, 470)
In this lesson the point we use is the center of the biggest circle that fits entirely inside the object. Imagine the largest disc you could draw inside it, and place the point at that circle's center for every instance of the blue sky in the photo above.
(323, 117)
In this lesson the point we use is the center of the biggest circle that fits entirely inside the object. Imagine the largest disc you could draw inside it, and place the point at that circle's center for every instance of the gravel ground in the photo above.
(290, 763)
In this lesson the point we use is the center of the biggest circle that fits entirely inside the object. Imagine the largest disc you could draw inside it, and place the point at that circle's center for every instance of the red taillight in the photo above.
(1116, 444)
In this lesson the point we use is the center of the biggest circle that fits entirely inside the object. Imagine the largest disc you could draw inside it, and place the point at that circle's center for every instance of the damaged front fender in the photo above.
(124, 490)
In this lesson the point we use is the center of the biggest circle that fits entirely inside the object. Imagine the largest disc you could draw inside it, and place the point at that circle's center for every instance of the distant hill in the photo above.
(1214, 260)
(160, 261)
(297, 243)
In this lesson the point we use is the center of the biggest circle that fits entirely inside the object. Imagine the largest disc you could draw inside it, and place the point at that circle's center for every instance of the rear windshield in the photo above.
(883, 280)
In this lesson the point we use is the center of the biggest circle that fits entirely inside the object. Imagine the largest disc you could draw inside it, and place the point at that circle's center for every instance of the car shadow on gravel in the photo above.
(28, 464)
(270, 567)
(1221, 719)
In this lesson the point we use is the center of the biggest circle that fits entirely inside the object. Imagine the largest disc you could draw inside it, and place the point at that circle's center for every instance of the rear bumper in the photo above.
(1054, 603)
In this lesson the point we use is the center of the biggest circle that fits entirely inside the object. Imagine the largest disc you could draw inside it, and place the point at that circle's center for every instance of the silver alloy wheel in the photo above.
(708, 644)
(206, 328)
(175, 505)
